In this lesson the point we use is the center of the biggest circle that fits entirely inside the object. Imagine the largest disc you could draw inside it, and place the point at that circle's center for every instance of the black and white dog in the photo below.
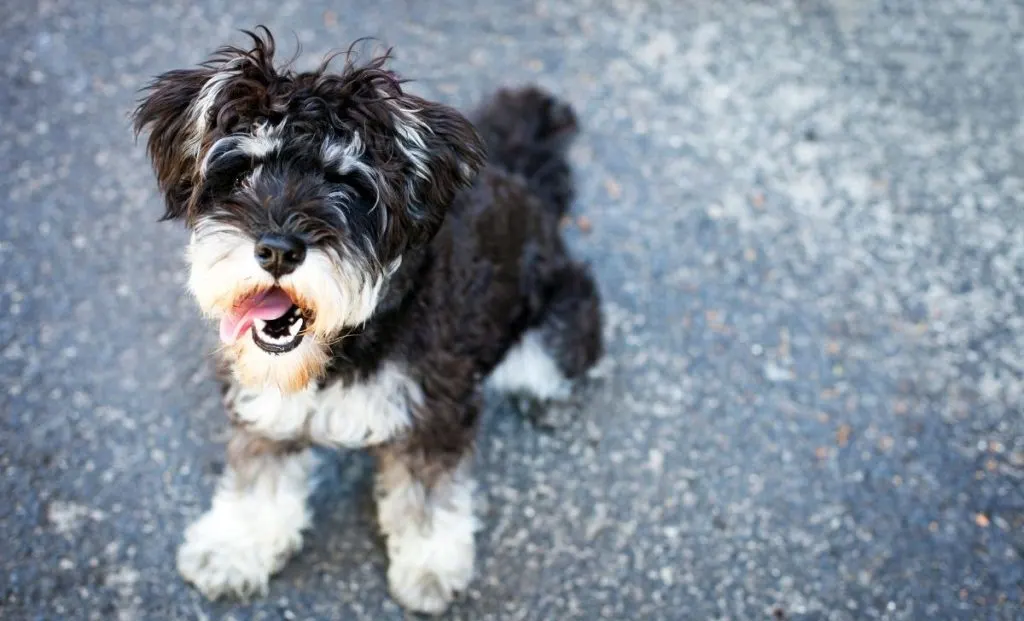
(373, 259)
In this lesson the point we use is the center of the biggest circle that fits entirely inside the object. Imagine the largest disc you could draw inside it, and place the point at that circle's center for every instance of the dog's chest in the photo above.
(353, 414)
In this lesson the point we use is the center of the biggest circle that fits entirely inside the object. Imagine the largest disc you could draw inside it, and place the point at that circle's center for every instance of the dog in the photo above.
(374, 260)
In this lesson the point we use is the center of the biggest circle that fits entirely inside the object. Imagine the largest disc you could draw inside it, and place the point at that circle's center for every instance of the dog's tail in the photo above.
(528, 132)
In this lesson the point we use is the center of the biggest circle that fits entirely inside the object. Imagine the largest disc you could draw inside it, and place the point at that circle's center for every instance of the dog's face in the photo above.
(302, 192)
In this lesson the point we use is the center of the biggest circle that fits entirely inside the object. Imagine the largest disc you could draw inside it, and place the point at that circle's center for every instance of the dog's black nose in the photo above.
(280, 254)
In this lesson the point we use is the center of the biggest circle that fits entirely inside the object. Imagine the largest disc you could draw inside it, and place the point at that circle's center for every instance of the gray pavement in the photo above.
(806, 217)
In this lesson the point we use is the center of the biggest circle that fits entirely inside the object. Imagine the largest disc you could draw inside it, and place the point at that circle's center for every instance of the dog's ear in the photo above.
(184, 109)
(445, 153)
(165, 112)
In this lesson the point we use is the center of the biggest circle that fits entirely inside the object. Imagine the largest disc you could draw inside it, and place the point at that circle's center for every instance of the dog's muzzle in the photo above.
(276, 323)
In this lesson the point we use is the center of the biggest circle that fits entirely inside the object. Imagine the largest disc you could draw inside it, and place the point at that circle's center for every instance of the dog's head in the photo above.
(302, 192)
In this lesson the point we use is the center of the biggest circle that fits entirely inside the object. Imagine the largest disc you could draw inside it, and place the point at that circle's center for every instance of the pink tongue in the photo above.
(266, 306)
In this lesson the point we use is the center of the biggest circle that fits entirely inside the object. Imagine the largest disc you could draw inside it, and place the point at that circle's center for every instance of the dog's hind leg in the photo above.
(562, 345)
(570, 325)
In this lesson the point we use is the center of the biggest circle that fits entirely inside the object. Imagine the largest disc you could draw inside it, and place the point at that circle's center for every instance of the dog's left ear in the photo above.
(445, 153)
(165, 113)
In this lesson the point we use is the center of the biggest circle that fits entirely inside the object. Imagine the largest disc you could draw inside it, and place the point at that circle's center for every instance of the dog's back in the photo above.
(539, 300)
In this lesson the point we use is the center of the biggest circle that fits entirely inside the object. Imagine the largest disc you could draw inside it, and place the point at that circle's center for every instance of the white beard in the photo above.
(337, 293)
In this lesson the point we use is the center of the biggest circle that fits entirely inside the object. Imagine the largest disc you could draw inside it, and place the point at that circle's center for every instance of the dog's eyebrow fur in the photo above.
(188, 110)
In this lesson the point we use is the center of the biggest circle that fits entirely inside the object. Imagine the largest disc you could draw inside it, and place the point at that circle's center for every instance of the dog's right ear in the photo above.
(167, 112)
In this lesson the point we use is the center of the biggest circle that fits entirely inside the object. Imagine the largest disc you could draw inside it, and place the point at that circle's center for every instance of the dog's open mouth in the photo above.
(276, 323)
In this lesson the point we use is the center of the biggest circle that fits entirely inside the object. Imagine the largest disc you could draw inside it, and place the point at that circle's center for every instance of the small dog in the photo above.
(370, 272)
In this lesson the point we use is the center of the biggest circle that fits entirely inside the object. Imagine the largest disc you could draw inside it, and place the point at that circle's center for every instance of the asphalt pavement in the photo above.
(806, 219)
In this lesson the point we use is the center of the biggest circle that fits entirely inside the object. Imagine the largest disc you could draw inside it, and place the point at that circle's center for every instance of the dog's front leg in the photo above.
(256, 520)
(425, 510)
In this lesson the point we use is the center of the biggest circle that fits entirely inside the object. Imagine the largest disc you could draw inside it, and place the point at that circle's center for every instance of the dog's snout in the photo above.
(280, 254)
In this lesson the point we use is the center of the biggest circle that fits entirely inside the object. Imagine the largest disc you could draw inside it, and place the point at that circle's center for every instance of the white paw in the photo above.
(229, 554)
(426, 575)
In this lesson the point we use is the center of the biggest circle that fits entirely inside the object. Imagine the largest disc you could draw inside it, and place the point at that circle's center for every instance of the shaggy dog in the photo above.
(373, 260)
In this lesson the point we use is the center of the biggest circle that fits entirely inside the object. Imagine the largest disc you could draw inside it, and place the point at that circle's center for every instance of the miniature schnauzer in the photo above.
(374, 259)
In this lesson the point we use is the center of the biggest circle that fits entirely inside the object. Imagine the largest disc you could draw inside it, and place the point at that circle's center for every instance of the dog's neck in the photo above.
(360, 349)
(402, 282)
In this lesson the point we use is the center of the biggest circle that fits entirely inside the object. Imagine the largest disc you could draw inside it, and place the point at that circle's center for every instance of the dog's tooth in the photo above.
(293, 329)
(260, 324)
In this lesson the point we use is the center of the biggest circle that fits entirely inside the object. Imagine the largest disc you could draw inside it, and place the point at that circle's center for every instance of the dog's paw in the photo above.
(225, 557)
(428, 579)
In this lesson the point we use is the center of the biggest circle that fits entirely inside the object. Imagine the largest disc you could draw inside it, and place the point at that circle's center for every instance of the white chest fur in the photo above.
(353, 415)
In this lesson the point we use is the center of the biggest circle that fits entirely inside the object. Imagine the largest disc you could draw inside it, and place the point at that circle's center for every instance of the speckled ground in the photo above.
(806, 218)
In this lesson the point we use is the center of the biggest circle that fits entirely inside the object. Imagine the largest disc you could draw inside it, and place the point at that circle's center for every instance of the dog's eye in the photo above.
(235, 170)
(355, 181)
(227, 171)
(333, 176)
